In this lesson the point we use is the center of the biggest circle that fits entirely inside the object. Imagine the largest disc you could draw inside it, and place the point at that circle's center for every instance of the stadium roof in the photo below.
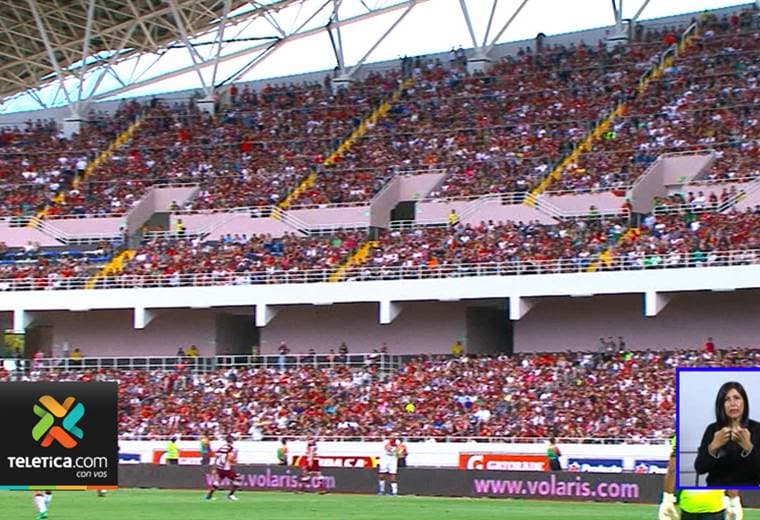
(69, 52)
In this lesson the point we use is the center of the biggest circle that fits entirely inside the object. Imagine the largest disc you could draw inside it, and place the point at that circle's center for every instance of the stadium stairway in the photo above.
(605, 257)
(359, 256)
(114, 266)
(604, 124)
(371, 119)
(103, 156)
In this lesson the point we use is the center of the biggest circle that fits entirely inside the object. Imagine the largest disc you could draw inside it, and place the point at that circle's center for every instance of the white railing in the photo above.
(211, 363)
(543, 205)
(450, 438)
(63, 237)
(509, 197)
(587, 191)
(719, 207)
(372, 273)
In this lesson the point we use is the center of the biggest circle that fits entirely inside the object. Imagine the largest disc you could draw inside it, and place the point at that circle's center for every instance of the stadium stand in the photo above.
(572, 395)
(706, 99)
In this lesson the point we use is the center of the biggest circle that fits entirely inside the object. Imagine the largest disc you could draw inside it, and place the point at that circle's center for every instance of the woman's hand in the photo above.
(741, 437)
(720, 439)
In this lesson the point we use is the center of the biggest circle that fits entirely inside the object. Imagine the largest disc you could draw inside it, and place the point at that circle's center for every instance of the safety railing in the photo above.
(421, 438)
(374, 360)
(672, 259)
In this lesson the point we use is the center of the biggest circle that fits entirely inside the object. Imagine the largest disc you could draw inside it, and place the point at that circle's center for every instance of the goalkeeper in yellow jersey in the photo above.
(696, 504)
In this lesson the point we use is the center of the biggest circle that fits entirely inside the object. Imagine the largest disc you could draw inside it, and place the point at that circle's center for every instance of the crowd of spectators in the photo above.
(36, 162)
(36, 268)
(253, 152)
(498, 132)
(707, 99)
(682, 238)
(455, 249)
(258, 259)
(567, 395)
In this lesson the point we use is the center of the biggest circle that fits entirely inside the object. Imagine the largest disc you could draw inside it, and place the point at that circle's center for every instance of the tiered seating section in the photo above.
(578, 395)
(707, 99)
(500, 132)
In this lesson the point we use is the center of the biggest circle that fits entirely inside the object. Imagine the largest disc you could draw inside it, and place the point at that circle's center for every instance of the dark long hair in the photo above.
(720, 407)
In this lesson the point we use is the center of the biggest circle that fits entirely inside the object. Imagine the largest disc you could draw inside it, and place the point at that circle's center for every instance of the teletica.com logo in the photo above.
(46, 431)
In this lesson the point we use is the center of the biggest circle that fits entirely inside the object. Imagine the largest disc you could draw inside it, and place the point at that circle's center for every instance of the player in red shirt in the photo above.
(310, 470)
(226, 457)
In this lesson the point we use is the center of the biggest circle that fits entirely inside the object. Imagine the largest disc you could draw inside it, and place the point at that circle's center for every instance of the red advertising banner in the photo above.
(503, 462)
(340, 461)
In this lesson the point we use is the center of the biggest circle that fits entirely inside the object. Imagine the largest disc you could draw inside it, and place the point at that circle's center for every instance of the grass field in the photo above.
(188, 505)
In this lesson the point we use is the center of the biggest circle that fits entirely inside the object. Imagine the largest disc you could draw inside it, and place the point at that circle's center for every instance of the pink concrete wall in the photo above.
(752, 200)
(556, 324)
(384, 202)
(202, 221)
(141, 212)
(647, 187)
(17, 237)
(226, 223)
(439, 210)
(605, 200)
(415, 187)
(421, 327)
(165, 196)
(681, 169)
(353, 215)
(111, 333)
(87, 226)
(507, 213)
(490, 210)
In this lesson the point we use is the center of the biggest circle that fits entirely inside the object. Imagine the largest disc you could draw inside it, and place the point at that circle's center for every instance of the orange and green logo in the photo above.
(46, 430)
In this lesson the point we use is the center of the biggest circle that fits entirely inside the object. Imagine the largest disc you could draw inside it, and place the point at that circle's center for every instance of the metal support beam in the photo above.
(194, 55)
(77, 109)
(109, 62)
(300, 33)
(143, 317)
(617, 13)
(466, 14)
(644, 5)
(227, 6)
(382, 38)
(505, 27)
(264, 314)
(519, 306)
(337, 43)
(654, 302)
(48, 47)
(389, 311)
(269, 18)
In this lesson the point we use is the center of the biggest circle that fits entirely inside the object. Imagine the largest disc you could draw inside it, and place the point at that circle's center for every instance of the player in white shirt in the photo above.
(388, 467)
(42, 502)
(226, 457)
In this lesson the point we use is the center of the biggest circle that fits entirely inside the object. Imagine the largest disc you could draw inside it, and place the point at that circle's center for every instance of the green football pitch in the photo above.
(188, 505)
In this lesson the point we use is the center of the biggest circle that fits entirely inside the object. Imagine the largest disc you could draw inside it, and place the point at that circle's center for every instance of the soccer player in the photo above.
(310, 469)
(226, 457)
(696, 504)
(282, 453)
(42, 502)
(388, 467)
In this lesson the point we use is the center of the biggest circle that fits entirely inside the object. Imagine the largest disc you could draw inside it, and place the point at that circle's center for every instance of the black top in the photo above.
(730, 468)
